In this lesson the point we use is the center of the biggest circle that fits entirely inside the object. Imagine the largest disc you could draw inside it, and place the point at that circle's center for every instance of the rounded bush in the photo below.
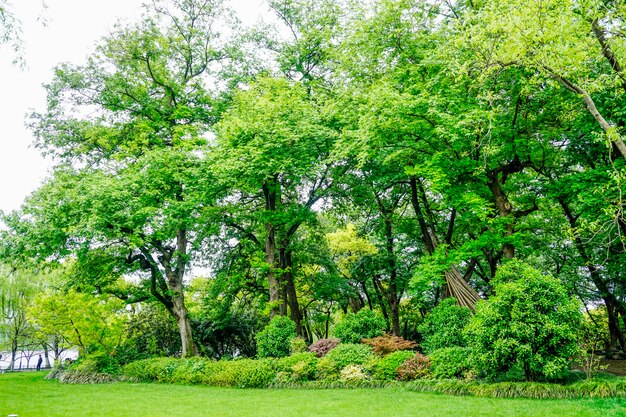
(415, 367)
(530, 323)
(341, 356)
(275, 340)
(444, 326)
(365, 324)
(323, 346)
(353, 373)
(452, 362)
(298, 367)
(387, 368)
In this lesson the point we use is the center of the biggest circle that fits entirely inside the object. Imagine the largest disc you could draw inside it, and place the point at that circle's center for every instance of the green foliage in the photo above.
(92, 324)
(387, 367)
(343, 355)
(364, 324)
(298, 367)
(244, 373)
(297, 345)
(531, 322)
(582, 389)
(444, 326)
(275, 340)
(451, 362)
(151, 332)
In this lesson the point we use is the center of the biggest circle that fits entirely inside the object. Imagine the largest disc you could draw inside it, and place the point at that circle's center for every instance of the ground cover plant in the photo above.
(30, 395)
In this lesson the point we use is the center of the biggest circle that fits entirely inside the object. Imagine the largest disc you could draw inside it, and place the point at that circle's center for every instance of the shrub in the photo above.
(298, 367)
(444, 326)
(353, 373)
(275, 340)
(323, 346)
(388, 343)
(157, 369)
(530, 322)
(415, 367)
(297, 345)
(452, 362)
(341, 356)
(387, 367)
(254, 373)
(86, 377)
(362, 325)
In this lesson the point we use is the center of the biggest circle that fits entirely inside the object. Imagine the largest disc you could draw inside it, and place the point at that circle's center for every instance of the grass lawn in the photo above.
(29, 395)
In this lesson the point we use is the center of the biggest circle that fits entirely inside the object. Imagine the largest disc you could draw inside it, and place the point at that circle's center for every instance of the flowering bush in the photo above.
(353, 373)
(415, 367)
(323, 346)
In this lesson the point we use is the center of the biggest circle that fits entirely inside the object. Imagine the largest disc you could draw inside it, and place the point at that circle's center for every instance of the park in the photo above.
(387, 207)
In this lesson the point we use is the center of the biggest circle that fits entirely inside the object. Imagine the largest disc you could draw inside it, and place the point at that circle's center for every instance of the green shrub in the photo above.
(297, 345)
(452, 362)
(252, 373)
(387, 367)
(530, 322)
(362, 325)
(343, 355)
(156, 369)
(444, 326)
(86, 377)
(415, 367)
(298, 367)
(275, 340)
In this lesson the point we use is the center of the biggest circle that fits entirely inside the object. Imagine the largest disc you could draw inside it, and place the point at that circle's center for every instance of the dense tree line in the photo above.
(378, 156)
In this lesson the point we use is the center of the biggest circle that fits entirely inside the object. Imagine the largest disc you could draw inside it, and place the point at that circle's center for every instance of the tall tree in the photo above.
(128, 129)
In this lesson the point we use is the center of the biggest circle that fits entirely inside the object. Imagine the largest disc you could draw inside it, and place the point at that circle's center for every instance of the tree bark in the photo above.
(610, 300)
(456, 286)
(504, 210)
(270, 193)
(611, 132)
(393, 296)
(292, 297)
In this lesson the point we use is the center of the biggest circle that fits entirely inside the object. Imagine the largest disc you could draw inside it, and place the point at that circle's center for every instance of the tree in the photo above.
(17, 289)
(132, 189)
(275, 141)
(530, 322)
(93, 325)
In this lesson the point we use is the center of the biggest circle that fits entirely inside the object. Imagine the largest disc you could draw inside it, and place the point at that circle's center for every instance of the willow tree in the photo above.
(128, 129)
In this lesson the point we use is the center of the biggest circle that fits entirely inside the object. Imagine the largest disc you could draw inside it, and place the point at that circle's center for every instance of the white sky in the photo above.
(72, 30)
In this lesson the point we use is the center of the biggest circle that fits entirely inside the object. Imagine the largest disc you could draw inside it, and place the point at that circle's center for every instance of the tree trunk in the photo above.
(184, 327)
(270, 193)
(393, 296)
(456, 286)
(45, 355)
(292, 297)
(380, 293)
(504, 211)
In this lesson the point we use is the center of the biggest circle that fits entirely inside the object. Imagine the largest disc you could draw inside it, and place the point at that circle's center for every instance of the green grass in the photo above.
(29, 395)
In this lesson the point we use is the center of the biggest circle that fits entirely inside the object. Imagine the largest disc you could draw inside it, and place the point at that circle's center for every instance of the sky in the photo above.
(70, 33)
